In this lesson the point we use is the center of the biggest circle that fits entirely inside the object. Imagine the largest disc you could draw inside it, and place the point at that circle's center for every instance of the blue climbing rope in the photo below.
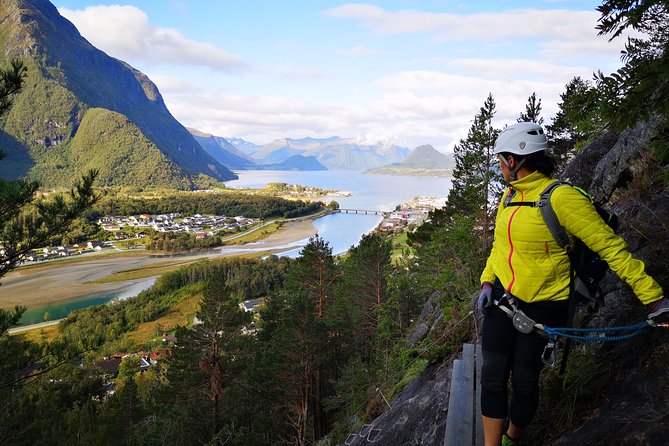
(571, 333)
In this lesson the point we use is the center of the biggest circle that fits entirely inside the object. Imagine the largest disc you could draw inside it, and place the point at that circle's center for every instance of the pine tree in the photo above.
(639, 89)
(476, 184)
(298, 343)
(315, 272)
(577, 121)
(203, 360)
(364, 286)
(532, 110)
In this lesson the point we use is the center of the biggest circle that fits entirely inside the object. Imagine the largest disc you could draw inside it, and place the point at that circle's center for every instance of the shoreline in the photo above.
(55, 283)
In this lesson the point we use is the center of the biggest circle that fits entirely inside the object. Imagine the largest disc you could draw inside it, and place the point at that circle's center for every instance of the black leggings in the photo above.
(506, 351)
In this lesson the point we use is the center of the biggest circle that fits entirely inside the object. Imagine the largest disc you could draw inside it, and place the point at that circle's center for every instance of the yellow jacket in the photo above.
(529, 263)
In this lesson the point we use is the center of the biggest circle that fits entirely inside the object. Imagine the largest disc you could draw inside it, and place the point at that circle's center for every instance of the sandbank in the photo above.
(60, 282)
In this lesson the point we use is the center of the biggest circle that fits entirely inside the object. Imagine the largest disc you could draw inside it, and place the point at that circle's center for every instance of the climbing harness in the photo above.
(524, 324)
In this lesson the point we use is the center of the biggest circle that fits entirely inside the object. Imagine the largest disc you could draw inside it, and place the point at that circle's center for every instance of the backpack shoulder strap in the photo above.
(550, 217)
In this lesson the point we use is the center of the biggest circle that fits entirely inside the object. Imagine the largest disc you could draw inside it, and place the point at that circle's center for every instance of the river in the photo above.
(340, 230)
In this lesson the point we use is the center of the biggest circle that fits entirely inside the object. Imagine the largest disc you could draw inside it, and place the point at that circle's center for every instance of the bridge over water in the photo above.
(363, 211)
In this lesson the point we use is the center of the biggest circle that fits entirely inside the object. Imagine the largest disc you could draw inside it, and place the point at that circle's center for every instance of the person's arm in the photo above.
(580, 219)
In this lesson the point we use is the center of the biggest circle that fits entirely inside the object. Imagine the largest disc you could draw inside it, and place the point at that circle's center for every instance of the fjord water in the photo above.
(369, 192)
(374, 192)
(341, 231)
(35, 315)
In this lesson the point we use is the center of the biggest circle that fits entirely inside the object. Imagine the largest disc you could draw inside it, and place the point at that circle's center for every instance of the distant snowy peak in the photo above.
(335, 153)
(247, 147)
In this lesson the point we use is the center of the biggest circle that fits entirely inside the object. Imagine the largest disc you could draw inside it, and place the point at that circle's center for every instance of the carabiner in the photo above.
(549, 356)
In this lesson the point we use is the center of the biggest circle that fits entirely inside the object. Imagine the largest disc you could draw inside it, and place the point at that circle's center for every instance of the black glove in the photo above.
(485, 299)
(659, 310)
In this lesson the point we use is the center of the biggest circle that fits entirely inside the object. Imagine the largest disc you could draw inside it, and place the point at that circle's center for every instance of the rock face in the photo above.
(416, 416)
(616, 169)
(636, 409)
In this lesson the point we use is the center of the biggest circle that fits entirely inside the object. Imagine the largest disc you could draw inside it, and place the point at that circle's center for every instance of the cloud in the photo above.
(573, 29)
(173, 85)
(124, 32)
(413, 108)
(506, 68)
(482, 26)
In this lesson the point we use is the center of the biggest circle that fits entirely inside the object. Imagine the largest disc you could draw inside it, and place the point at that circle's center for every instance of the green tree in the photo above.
(639, 89)
(126, 391)
(315, 273)
(476, 184)
(577, 120)
(364, 287)
(532, 110)
(203, 363)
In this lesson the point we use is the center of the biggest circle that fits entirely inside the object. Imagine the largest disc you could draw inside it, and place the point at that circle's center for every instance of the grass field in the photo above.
(399, 246)
(180, 314)
(41, 334)
(255, 235)
(143, 272)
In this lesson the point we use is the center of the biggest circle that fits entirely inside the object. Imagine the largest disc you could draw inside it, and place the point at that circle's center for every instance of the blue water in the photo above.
(374, 192)
(35, 315)
(370, 192)
(341, 231)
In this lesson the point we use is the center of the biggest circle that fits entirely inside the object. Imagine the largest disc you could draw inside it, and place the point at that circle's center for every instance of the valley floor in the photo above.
(59, 282)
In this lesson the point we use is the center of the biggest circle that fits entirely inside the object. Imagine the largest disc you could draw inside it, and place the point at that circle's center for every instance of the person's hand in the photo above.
(485, 299)
(659, 310)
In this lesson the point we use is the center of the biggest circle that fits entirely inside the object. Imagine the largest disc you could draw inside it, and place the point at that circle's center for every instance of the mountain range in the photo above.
(423, 160)
(334, 153)
(80, 108)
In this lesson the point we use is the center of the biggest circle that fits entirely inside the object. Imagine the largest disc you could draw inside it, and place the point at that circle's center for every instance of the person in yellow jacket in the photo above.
(527, 264)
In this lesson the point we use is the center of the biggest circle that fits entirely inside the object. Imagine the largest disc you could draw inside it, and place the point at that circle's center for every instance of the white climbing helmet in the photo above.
(522, 138)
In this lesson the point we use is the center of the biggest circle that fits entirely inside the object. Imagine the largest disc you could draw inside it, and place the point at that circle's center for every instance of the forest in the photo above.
(329, 342)
(191, 203)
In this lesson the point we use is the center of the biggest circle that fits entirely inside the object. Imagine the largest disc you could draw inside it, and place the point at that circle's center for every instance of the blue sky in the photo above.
(403, 72)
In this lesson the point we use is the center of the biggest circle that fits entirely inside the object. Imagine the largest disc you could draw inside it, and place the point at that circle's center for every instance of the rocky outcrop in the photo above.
(626, 177)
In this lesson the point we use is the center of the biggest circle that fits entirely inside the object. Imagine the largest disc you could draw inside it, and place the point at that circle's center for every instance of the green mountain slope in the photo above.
(102, 132)
(67, 77)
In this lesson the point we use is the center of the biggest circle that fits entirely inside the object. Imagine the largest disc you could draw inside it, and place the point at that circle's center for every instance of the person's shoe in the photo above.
(506, 441)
